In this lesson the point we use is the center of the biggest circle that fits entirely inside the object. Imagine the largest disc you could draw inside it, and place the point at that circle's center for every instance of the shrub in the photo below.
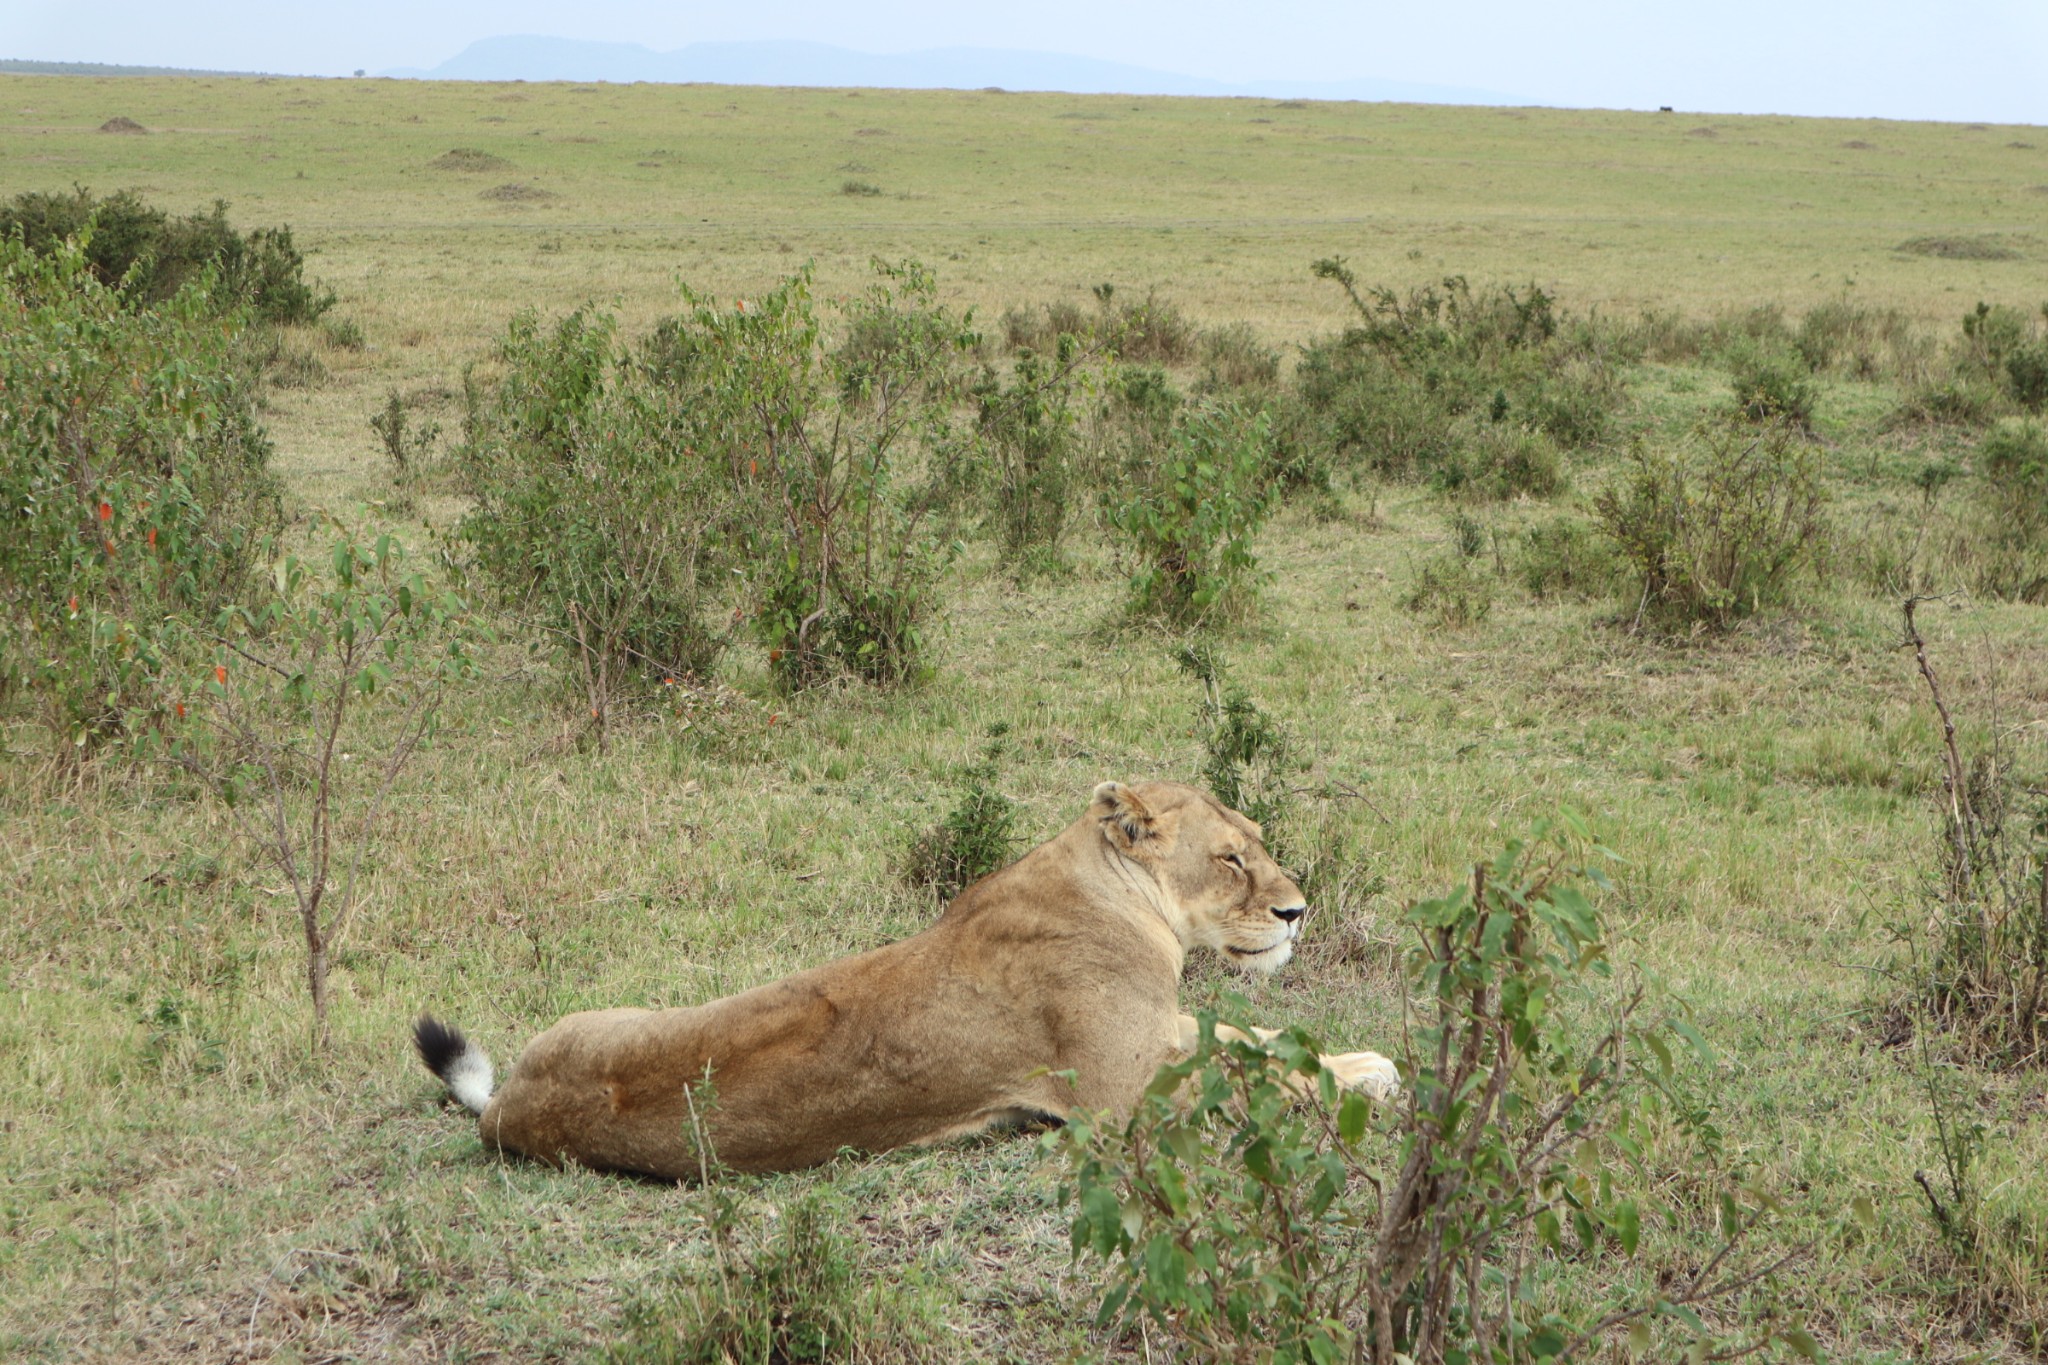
(137, 487)
(406, 443)
(150, 256)
(787, 1289)
(290, 680)
(859, 189)
(1151, 331)
(1395, 392)
(1491, 1213)
(1861, 341)
(2007, 525)
(1190, 518)
(1029, 430)
(977, 837)
(1771, 383)
(1500, 460)
(1720, 528)
(598, 508)
(1245, 752)
(1040, 329)
(1983, 981)
(1565, 556)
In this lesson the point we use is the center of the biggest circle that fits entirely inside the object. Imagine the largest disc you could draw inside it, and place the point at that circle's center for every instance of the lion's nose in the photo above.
(1290, 913)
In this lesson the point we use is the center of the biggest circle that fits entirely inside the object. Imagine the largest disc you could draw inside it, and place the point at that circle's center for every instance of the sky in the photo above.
(1964, 60)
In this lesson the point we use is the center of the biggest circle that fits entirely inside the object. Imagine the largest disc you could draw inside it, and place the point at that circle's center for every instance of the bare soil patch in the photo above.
(469, 159)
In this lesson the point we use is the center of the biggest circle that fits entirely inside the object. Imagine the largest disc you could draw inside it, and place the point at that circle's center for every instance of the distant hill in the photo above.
(532, 58)
(24, 68)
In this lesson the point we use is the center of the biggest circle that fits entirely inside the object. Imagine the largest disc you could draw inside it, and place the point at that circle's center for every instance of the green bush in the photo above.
(1233, 358)
(137, 486)
(1861, 341)
(1399, 392)
(1151, 331)
(1496, 1211)
(1720, 528)
(598, 506)
(2007, 521)
(1501, 460)
(1030, 431)
(1190, 518)
(1771, 382)
(977, 837)
(150, 255)
(1566, 556)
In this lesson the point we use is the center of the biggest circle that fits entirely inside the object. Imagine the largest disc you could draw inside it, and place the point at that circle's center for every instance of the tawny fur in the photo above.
(1068, 961)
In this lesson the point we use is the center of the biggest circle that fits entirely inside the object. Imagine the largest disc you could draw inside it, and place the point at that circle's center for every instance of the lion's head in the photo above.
(1222, 888)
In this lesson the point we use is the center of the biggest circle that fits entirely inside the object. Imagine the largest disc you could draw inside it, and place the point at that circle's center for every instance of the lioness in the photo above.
(1067, 961)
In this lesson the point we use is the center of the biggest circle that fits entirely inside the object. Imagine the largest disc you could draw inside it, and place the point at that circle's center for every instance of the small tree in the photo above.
(1190, 518)
(303, 771)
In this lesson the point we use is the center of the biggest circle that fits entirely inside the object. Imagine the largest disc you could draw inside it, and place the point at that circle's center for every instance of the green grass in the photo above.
(182, 1180)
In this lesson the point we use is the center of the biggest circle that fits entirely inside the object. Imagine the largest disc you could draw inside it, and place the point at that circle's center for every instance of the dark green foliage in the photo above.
(151, 255)
(1722, 527)
(1233, 358)
(1861, 341)
(650, 500)
(1503, 461)
(778, 1291)
(1189, 517)
(1150, 331)
(977, 837)
(1998, 365)
(1443, 1226)
(136, 482)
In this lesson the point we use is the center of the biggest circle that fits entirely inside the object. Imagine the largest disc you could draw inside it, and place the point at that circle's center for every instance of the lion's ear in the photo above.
(1126, 821)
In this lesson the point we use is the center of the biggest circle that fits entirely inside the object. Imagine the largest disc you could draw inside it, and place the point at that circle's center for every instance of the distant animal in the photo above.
(1045, 988)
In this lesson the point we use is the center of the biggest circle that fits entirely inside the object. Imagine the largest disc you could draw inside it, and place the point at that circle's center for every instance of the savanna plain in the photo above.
(1459, 606)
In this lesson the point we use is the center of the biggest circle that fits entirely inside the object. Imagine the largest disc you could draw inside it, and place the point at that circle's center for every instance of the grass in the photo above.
(182, 1180)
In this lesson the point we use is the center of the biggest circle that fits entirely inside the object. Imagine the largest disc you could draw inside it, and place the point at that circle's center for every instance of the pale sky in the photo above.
(1963, 60)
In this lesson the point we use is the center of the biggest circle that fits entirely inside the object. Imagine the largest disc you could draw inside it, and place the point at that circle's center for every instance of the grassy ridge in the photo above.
(182, 1181)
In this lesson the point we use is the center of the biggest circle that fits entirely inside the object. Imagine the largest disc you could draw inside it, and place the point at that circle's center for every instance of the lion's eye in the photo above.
(1234, 861)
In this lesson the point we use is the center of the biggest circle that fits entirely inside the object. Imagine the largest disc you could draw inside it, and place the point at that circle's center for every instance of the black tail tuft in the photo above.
(439, 1044)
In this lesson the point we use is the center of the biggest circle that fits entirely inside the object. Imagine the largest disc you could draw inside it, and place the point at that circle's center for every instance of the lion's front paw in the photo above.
(1367, 1071)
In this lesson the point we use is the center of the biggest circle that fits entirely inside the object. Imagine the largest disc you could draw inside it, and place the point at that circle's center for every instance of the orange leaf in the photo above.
(220, 674)
(106, 511)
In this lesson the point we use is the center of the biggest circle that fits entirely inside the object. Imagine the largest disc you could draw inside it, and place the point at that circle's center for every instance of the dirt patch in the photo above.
(122, 125)
(1857, 144)
(469, 159)
(871, 132)
(1701, 132)
(517, 193)
(1958, 248)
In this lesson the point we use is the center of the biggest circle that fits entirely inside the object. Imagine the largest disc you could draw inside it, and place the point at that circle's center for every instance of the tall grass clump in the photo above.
(149, 256)
(788, 1288)
(137, 486)
(1718, 528)
(1497, 1210)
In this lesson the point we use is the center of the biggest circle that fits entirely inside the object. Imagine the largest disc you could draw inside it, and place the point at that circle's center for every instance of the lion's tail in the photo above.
(462, 1065)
